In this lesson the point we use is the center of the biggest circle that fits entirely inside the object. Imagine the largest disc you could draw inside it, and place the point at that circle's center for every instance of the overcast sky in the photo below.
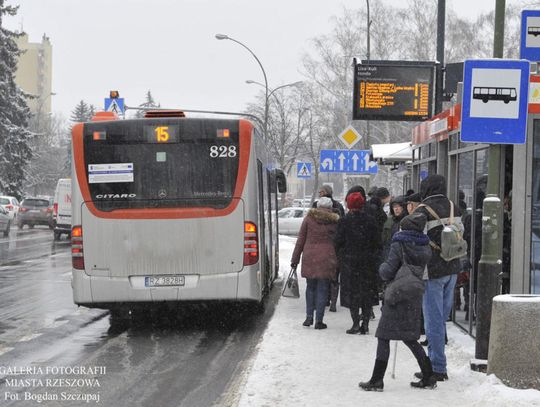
(168, 46)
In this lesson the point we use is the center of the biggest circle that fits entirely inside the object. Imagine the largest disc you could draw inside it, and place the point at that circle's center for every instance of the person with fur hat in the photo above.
(400, 319)
(358, 244)
(319, 261)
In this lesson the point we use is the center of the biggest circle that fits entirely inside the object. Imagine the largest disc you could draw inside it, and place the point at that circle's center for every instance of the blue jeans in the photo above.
(437, 304)
(316, 297)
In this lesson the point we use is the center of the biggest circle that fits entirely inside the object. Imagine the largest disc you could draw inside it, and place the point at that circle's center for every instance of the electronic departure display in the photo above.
(393, 90)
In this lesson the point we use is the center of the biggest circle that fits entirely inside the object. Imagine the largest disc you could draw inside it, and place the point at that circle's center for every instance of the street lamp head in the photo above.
(222, 37)
(249, 82)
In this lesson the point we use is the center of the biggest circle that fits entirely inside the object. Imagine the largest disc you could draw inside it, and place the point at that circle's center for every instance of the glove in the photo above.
(294, 265)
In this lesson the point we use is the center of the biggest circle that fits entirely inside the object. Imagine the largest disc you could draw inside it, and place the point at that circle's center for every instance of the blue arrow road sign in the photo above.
(530, 35)
(303, 170)
(115, 105)
(495, 101)
(353, 161)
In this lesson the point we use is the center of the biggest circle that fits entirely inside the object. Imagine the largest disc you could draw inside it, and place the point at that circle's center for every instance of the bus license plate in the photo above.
(164, 281)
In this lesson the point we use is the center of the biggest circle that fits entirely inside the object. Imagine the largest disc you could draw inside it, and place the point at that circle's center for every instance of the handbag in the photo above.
(406, 285)
(290, 288)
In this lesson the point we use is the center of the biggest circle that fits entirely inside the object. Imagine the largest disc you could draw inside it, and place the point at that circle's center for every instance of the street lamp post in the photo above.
(226, 37)
(298, 83)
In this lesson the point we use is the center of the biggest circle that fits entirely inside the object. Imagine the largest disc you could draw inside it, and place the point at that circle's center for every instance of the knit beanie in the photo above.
(324, 202)
(382, 193)
(355, 201)
(414, 198)
(415, 221)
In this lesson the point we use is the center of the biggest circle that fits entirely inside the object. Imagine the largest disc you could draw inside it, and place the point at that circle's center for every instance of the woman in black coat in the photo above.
(400, 319)
(358, 246)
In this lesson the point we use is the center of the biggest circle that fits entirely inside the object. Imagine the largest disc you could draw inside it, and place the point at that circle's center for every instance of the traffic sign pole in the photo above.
(490, 265)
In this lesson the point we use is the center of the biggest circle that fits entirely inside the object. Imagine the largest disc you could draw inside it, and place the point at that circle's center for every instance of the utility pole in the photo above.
(441, 12)
(368, 56)
(490, 265)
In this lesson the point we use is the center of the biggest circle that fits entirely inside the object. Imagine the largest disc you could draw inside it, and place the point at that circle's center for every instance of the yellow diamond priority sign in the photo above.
(350, 137)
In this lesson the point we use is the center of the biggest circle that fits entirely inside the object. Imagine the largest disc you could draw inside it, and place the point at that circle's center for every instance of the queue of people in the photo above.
(395, 257)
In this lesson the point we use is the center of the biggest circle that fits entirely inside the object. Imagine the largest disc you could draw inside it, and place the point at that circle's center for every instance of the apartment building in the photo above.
(34, 73)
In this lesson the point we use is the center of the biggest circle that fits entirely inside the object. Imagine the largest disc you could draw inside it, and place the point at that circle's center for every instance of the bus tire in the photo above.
(120, 315)
(57, 236)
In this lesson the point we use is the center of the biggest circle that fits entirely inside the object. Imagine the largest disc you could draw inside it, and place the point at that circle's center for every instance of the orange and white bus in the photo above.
(171, 209)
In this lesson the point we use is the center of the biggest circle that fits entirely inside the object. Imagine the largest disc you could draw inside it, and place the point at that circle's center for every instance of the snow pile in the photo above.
(299, 366)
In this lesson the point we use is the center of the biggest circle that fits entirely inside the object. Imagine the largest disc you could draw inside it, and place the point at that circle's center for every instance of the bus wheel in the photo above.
(120, 315)
(57, 237)
(258, 308)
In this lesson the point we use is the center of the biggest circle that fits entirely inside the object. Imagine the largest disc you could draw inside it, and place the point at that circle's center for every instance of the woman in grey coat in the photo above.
(400, 319)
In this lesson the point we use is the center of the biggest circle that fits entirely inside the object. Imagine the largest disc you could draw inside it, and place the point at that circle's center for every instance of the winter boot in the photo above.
(308, 321)
(320, 325)
(356, 324)
(364, 329)
(428, 381)
(376, 381)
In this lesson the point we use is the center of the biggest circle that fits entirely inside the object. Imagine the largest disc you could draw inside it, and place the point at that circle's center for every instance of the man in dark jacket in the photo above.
(326, 190)
(441, 275)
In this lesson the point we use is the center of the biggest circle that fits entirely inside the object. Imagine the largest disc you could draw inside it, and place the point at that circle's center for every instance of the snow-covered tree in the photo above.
(50, 149)
(15, 151)
(148, 103)
(82, 112)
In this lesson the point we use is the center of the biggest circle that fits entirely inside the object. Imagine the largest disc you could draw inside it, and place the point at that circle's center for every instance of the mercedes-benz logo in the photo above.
(162, 193)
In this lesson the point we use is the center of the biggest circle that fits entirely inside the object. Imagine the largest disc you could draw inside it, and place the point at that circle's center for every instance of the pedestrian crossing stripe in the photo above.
(113, 107)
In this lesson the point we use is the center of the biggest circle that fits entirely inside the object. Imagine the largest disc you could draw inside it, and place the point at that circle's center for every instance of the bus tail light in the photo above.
(251, 244)
(77, 253)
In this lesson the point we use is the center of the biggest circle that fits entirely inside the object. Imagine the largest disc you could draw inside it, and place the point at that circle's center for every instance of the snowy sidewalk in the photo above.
(299, 366)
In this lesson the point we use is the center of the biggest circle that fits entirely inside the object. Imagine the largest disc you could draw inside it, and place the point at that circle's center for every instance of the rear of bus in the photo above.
(159, 212)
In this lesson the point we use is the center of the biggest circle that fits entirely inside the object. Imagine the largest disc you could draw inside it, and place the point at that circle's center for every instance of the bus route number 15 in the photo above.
(162, 134)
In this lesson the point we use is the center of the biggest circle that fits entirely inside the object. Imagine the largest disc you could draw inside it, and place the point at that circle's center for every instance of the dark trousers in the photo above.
(383, 349)
(355, 306)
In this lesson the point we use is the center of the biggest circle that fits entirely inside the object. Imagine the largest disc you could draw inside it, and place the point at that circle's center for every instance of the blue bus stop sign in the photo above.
(530, 35)
(495, 101)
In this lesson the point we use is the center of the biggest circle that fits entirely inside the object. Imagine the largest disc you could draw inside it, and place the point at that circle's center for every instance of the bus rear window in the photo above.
(161, 163)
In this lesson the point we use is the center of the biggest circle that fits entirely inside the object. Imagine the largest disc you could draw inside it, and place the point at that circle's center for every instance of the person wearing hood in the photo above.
(374, 207)
(398, 210)
(441, 274)
(319, 261)
(358, 244)
(400, 317)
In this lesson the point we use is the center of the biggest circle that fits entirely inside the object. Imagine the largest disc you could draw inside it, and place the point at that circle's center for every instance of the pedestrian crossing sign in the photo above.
(303, 170)
(115, 105)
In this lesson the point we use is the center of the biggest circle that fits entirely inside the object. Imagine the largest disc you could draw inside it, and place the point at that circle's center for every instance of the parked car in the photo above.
(290, 220)
(5, 221)
(62, 208)
(33, 211)
(11, 205)
(50, 209)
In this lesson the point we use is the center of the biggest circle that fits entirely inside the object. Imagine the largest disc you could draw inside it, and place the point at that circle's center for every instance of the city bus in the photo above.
(170, 209)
